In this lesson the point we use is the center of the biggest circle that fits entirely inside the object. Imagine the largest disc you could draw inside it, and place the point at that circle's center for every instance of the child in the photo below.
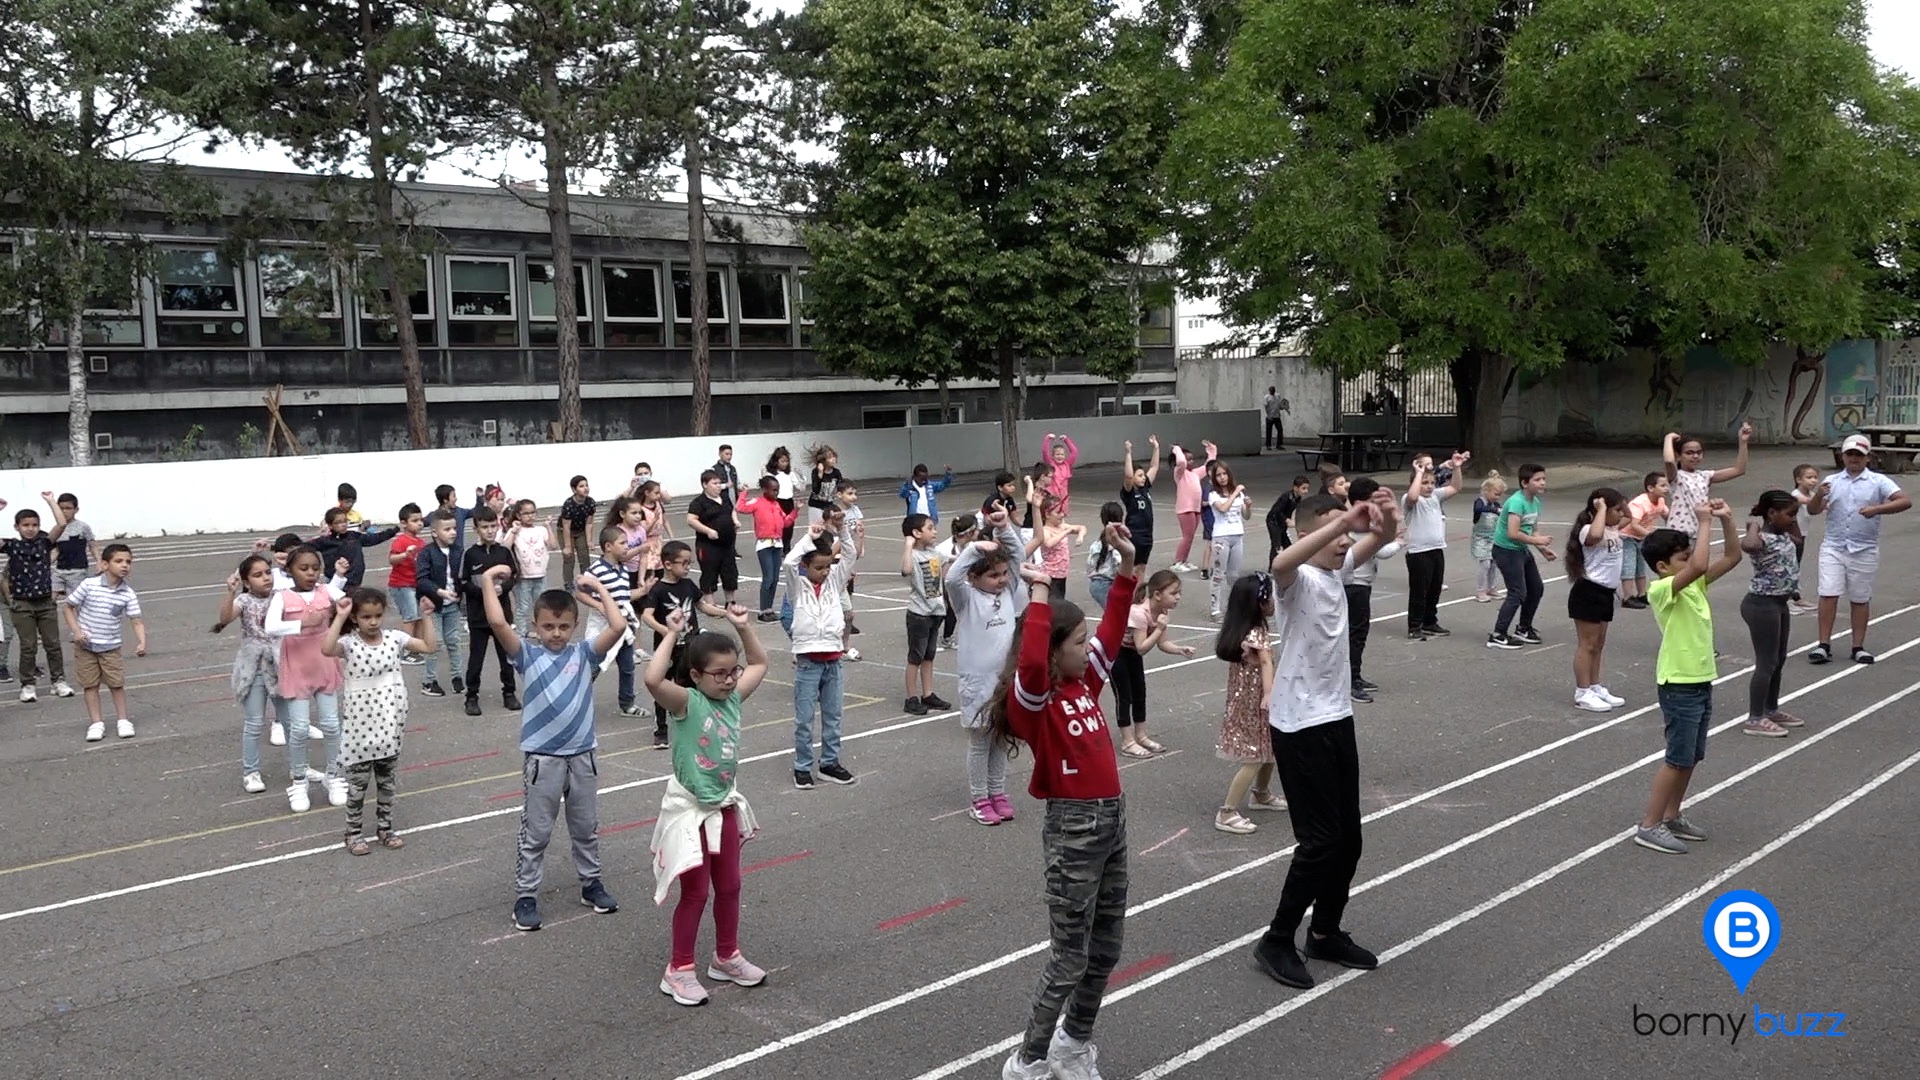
(532, 544)
(344, 540)
(459, 515)
(1053, 540)
(628, 514)
(817, 585)
(1689, 484)
(557, 736)
(1103, 562)
(921, 492)
(1280, 516)
(1147, 620)
(1244, 738)
(703, 817)
(1427, 542)
(436, 575)
(780, 467)
(926, 607)
(1513, 539)
(1060, 451)
(1135, 487)
(729, 475)
(676, 591)
(576, 530)
(1358, 575)
(966, 529)
(256, 667)
(1486, 517)
(28, 587)
(659, 529)
(852, 533)
(772, 524)
(1229, 502)
(1854, 499)
(607, 569)
(1004, 495)
(710, 515)
(642, 476)
(1594, 554)
(982, 586)
(1186, 500)
(373, 707)
(309, 681)
(94, 609)
(1312, 732)
(1647, 512)
(1037, 480)
(1769, 541)
(347, 496)
(1333, 482)
(474, 581)
(75, 553)
(1685, 671)
(1806, 483)
(825, 480)
(1049, 698)
(403, 577)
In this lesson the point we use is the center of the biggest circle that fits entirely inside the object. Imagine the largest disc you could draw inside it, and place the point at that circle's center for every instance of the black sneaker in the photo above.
(510, 700)
(769, 616)
(837, 773)
(1416, 635)
(1361, 695)
(803, 780)
(526, 914)
(595, 895)
(5, 675)
(936, 703)
(1820, 654)
(433, 689)
(852, 629)
(459, 685)
(661, 742)
(1502, 641)
(473, 705)
(1861, 656)
(1366, 684)
(915, 706)
(1281, 962)
(1436, 630)
(1527, 635)
(1339, 948)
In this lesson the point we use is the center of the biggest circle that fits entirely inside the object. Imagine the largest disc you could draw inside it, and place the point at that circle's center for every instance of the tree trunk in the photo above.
(1120, 399)
(946, 401)
(566, 302)
(1479, 386)
(399, 297)
(1023, 390)
(79, 409)
(1009, 411)
(697, 272)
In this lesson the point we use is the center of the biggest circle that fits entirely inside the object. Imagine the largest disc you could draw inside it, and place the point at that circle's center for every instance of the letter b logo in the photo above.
(1743, 930)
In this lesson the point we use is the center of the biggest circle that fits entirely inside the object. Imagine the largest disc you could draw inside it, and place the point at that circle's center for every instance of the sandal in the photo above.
(387, 840)
(1135, 750)
(1264, 800)
(1230, 821)
(1151, 745)
(357, 844)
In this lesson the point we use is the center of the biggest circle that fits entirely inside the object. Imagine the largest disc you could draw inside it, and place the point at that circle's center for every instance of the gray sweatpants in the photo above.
(1084, 843)
(1228, 552)
(547, 781)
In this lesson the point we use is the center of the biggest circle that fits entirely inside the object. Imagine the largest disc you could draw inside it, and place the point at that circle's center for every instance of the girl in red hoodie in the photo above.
(1049, 698)
(772, 524)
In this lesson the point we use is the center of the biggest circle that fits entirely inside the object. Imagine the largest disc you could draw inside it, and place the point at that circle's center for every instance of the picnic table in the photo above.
(1895, 447)
(1353, 451)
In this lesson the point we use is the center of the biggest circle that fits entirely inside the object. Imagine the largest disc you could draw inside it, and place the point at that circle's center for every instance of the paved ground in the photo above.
(157, 922)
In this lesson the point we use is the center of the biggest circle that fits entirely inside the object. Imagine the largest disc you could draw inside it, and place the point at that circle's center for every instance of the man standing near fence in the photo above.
(1275, 437)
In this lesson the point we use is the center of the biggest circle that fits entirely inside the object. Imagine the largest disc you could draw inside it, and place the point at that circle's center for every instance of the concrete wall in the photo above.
(263, 494)
(1225, 383)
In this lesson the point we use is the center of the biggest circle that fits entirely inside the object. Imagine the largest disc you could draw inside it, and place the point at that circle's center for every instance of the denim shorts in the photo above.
(1687, 709)
(1631, 564)
(406, 603)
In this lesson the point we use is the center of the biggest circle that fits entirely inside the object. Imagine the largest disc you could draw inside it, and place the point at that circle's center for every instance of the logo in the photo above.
(1742, 929)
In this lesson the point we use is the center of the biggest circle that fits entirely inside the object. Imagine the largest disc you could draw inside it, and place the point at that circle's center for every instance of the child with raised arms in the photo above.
(1244, 738)
(817, 585)
(403, 577)
(310, 680)
(966, 529)
(780, 467)
(1186, 499)
(926, 607)
(1514, 539)
(608, 570)
(533, 546)
(1426, 518)
(75, 555)
(983, 585)
(1646, 512)
(256, 667)
(476, 579)
(1103, 562)
(921, 492)
(1063, 455)
(1486, 518)
(94, 610)
(373, 707)
(1594, 554)
(1148, 621)
(772, 524)
(1689, 482)
(1136, 495)
(1769, 542)
(676, 591)
(1053, 540)
(28, 590)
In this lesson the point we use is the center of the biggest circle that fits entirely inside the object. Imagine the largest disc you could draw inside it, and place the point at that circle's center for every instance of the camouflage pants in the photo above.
(1085, 844)
(359, 775)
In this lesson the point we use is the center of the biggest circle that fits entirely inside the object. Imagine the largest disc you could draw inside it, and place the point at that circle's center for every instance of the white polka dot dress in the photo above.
(373, 706)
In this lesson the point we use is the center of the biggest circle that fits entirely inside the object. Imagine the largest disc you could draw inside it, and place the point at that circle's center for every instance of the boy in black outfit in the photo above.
(1280, 517)
(342, 541)
(486, 553)
(675, 591)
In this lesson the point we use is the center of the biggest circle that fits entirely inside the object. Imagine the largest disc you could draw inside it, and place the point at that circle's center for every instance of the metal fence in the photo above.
(1398, 392)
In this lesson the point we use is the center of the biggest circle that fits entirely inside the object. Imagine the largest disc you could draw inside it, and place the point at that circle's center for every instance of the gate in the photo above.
(1899, 401)
(1411, 408)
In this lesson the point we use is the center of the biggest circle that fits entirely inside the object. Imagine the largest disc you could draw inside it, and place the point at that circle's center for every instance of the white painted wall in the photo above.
(267, 494)
(1223, 384)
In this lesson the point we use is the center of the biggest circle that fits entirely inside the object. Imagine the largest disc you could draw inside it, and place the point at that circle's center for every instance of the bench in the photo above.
(1883, 458)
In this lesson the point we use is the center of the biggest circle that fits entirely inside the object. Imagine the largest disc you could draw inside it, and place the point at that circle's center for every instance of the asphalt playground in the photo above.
(157, 921)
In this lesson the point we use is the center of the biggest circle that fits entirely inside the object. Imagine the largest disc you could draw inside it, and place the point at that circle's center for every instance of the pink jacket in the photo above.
(1062, 477)
(769, 521)
(1186, 481)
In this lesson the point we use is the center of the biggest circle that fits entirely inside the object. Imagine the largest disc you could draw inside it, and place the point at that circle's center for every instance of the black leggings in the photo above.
(1130, 687)
(1359, 621)
(1426, 570)
(1770, 626)
(951, 619)
(1524, 587)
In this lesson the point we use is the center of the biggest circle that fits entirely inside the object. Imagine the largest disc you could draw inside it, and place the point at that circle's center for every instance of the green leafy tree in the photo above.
(87, 92)
(994, 165)
(1492, 185)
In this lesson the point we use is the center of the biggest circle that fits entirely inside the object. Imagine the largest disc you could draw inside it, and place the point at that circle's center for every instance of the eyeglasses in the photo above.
(728, 674)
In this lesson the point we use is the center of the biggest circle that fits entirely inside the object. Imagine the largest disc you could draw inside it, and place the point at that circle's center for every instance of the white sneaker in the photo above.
(315, 776)
(1590, 701)
(852, 653)
(1015, 1069)
(297, 798)
(1071, 1059)
(27, 694)
(61, 689)
(314, 734)
(277, 734)
(96, 731)
(337, 790)
(252, 784)
(124, 728)
(1607, 695)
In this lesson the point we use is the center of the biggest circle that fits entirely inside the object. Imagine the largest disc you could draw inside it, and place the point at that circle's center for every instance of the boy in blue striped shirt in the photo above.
(557, 737)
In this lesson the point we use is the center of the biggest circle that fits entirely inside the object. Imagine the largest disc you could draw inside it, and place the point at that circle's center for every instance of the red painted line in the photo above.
(771, 863)
(449, 761)
(1145, 967)
(611, 829)
(1165, 842)
(505, 795)
(1417, 1060)
(916, 916)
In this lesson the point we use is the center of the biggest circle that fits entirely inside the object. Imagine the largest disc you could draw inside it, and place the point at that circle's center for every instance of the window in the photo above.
(1156, 326)
(198, 294)
(541, 328)
(883, 418)
(718, 332)
(1141, 406)
(631, 299)
(299, 298)
(480, 302)
(378, 330)
(764, 318)
(805, 309)
(927, 415)
(766, 412)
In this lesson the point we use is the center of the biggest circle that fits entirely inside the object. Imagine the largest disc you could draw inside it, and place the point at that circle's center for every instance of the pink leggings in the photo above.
(722, 870)
(1189, 524)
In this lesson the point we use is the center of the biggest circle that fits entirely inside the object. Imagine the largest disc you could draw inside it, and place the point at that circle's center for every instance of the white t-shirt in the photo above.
(1363, 573)
(1426, 524)
(1311, 628)
(1604, 559)
(1229, 513)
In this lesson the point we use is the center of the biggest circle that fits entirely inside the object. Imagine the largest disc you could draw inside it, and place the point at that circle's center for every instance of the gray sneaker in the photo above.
(1660, 838)
(1015, 1069)
(1686, 830)
(1072, 1060)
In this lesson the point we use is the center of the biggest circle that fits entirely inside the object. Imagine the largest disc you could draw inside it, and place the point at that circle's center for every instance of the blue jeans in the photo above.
(769, 576)
(786, 615)
(406, 603)
(446, 617)
(814, 681)
(525, 592)
(1098, 588)
(1687, 709)
(623, 659)
(253, 707)
(323, 712)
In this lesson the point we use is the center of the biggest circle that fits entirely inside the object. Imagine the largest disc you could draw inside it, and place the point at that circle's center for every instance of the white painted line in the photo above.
(929, 989)
(1611, 843)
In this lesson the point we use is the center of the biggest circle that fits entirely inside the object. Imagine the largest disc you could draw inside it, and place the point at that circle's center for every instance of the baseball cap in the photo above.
(1856, 444)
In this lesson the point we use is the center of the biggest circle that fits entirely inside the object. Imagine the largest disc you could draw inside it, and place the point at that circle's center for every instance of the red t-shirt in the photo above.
(405, 573)
(1072, 747)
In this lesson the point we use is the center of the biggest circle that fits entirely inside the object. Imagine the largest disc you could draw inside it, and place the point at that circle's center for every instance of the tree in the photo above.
(994, 165)
(352, 90)
(85, 89)
(1492, 185)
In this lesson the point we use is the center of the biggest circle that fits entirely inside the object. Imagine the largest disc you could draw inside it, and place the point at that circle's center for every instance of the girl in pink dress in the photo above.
(310, 680)
(1186, 500)
(1063, 455)
(653, 517)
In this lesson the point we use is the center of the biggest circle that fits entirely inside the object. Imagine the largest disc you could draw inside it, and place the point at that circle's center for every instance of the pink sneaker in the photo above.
(984, 813)
(683, 986)
(1004, 807)
(736, 971)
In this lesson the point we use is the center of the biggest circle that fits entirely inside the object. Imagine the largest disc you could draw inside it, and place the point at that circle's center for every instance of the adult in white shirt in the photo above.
(1854, 499)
